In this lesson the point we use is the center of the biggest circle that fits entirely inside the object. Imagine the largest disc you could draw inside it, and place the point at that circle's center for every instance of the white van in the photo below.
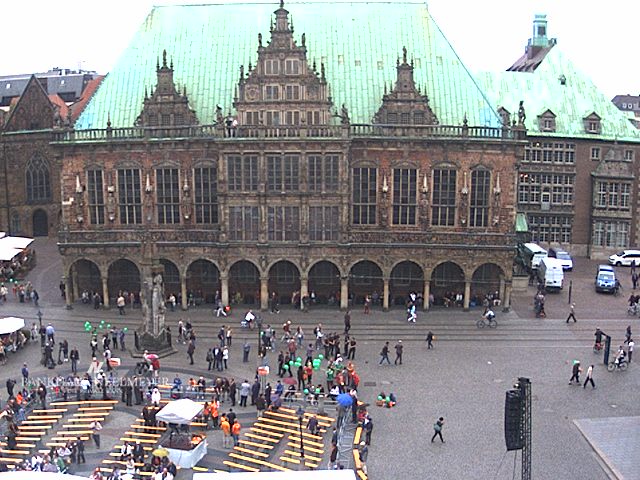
(532, 254)
(551, 273)
(625, 258)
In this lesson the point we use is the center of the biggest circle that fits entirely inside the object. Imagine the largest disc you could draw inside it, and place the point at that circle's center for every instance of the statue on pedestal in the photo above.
(158, 308)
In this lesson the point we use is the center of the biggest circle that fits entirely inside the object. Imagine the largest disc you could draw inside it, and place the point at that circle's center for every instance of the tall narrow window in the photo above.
(38, 180)
(168, 195)
(323, 173)
(243, 223)
(95, 189)
(206, 194)
(324, 224)
(283, 224)
(242, 173)
(444, 197)
(479, 202)
(129, 196)
(404, 196)
(364, 196)
(283, 173)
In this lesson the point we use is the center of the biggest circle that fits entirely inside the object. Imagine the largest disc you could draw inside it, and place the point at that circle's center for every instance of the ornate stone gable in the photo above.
(33, 111)
(166, 107)
(613, 165)
(405, 104)
(282, 88)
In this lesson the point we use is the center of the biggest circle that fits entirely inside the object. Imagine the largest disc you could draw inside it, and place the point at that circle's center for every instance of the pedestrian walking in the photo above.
(25, 375)
(384, 354)
(245, 351)
(630, 346)
(245, 389)
(430, 338)
(572, 313)
(74, 356)
(191, 348)
(120, 303)
(95, 428)
(235, 433)
(80, 449)
(399, 348)
(589, 377)
(575, 372)
(627, 334)
(437, 429)
(226, 431)
(347, 322)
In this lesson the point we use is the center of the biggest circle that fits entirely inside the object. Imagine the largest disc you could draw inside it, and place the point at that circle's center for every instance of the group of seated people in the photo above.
(20, 263)
(56, 461)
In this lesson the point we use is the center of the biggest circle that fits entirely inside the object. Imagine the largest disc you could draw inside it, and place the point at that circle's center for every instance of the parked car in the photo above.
(605, 279)
(625, 257)
(564, 257)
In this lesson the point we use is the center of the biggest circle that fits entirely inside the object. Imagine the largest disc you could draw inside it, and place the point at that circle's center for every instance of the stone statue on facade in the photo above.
(521, 114)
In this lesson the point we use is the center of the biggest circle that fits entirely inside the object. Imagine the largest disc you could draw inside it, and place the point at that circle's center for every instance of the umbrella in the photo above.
(344, 400)
(151, 356)
(160, 452)
(289, 381)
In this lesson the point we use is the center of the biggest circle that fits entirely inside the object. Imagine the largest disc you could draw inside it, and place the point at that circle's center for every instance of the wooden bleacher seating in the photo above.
(142, 434)
(307, 414)
(286, 424)
(87, 403)
(33, 427)
(239, 466)
(141, 440)
(44, 417)
(144, 448)
(361, 475)
(143, 427)
(256, 445)
(306, 447)
(296, 438)
(14, 452)
(356, 437)
(266, 432)
(285, 416)
(297, 462)
(94, 409)
(86, 419)
(21, 445)
(77, 425)
(292, 453)
(38, 422)
(282, 429)
(356, 459)
(257, 461)
(72, 433)
(10, 460)
(262, 438)
(251, 452)
(50, 410)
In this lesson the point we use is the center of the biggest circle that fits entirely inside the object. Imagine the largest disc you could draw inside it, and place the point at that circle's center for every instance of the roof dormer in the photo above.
(592, 123)
(166, 107)
(405, 104)
(547, 121)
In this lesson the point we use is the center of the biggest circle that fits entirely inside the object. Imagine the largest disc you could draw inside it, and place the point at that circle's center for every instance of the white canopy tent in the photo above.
(181, 412)
(7, 252)
(15, 242)
(10, 325)
(293, 475)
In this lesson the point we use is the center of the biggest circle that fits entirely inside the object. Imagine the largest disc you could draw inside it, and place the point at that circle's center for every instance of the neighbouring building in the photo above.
(630, 105)
(353, 156)
(31, 109)
(577, 182)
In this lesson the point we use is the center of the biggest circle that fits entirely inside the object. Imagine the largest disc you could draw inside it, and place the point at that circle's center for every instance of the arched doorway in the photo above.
(171, 279)
(40, 223)
(244, 283)
(365, 278)
(324, 280)
(203, 280)
(85, 276)
(124, 276)
(284, 279)
(447, 280)
(406, 277)
(485, 280)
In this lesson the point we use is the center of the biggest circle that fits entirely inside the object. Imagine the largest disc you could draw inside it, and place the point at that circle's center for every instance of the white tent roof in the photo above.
(39, 476)
(7, 252)
(10, 324)
(15, 242)
(294, 475)
(179, 411)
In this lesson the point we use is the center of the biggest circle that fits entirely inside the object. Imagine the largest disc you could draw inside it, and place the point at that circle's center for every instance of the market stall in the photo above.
(185, 449)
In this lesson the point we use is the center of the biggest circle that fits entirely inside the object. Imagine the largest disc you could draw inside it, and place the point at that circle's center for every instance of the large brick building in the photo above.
(578, 179)
(337, 160)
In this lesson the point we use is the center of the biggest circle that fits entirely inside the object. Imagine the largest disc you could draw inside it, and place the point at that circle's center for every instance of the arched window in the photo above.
(16, 228)
(38, 180)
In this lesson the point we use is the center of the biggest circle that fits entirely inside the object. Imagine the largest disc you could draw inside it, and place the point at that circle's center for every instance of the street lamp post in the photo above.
(300, 413)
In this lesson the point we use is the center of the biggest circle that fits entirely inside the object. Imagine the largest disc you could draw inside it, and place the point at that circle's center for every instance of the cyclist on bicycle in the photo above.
(598, 335)
(489, 315)
(620, 356)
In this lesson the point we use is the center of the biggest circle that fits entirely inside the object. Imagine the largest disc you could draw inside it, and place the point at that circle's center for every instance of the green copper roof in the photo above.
(522, 225)
(542, 90)
(359, 44)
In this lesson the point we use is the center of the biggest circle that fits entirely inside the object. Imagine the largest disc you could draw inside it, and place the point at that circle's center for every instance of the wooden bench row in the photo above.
(269, 413)
(257, 461)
